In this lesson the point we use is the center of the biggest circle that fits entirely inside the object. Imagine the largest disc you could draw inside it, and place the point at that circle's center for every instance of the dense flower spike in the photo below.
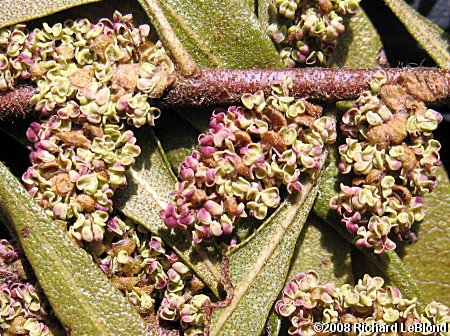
(90, 77)
(21, 311)
(305, 301)
(150, 275)
(389, 147)
(306, 31)
(249, 152)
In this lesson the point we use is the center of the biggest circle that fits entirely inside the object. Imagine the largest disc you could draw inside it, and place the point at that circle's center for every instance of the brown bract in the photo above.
(75, 139)
(62, 185)
(275, 140)
(86, 201)
(81, 78)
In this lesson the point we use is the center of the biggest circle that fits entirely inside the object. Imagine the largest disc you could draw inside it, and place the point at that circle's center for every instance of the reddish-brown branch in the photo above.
(214, 87)
(211, 87)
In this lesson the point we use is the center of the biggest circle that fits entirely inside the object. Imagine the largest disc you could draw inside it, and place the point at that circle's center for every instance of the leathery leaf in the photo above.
(81, 295)
(359, 46)
(12, 11)
(259, 266)
(150, 184)
(427, 259)
(223, 34)
(433, 39)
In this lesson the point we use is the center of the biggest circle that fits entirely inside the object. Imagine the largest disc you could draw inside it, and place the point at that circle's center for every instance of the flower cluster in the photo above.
(306, 31)
(90, 77)
(389, 147)
(21, 311)
(249, 152)
(305, 301)
(150, 275)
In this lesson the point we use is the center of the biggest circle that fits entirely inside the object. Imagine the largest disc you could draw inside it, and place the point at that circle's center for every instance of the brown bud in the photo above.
(231, 205)
(209, 162)
(127, 244)
(395, 97)
(377, 311)
(166, 79)
(325, 5)
(397, 129)
(378, 135)
(65, 51)
(350, 319)
(74, 138)
(92, 131)
(126, 76)
(81, 78)
(125, 283)
(62, 185)
(411, 161)
(86, 201)
(425, 88)
(100, 44)
(394, 131)
(48, 169)
(196, 284)
(403, 190)
(98, 165)
(273, 139)
(313, 110)
(240, 167)
(304, 120)
(199, 197)
(373, 176)
(37, 69)
(17, 327)
(275, 117)
(242, 138)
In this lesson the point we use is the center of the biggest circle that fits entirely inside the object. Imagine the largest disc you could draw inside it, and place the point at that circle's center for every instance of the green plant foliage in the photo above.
(259, 265)
(433, 39)
(223, 34)
(12, 12)
(360, 44)
(151, 182)
(427, 259)
(82, 297)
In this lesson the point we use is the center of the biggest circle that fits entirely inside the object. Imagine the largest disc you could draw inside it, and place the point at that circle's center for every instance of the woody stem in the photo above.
(221, 87)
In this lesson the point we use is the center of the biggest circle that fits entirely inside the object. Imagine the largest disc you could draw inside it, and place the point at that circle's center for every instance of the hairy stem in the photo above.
(210, 87)
(215, 87)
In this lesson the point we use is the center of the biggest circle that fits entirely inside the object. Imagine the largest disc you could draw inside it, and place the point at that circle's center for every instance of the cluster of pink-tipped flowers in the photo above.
(241, 163)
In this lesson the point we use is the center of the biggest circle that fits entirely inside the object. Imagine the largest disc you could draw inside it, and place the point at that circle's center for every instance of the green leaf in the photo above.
(433, 39)
(80, 293)
(223, 34)
(360, 44)
(320, 249)
(259, 266)
(150, 184)
(178, 138)
(12, 11)
(427, 259)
